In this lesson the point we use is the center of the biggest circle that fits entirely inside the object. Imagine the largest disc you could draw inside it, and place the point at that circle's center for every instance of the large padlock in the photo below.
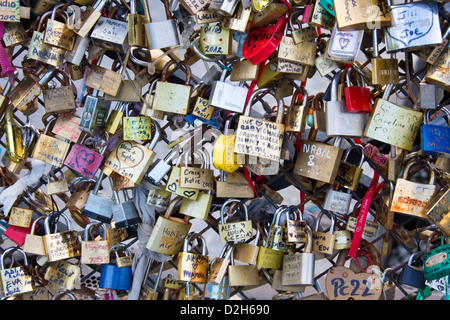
(410, 198)
(340, 122)
(61, 245)
(296, 228)
(18, 279)
(344, 45)
(194, 177)
(90, 18)
(115, 278)
(94, 251)
(337, 201)
(136, 31)
(226, 96)
(215, 40)
(169, 232)
(247, 252)
(434, 139)
(278, 237)
(161, 34)
(267, 257)
(110, 34)
(412, 276)
(124, 213)
(298, 268)
(180, 93)
(424, 16)
(193, 267)
(365, 13)
(242, 274)
(258, 137)
(236, 230)
(388, 121)
(358, 99)
(97, 206)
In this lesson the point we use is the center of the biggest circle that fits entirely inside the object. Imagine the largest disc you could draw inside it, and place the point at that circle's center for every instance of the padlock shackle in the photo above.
(11, 250)
(428, 111)
(188, 71)
(91, 225)
(157, 134)
(347, 153)
(319, 217)
(222, 209)
(408, 167)
(189, 240)
(296, 93)
(47, 223)
(172, 205)
(280, 102)
(309, 245)
(334, 86)
(34, 224)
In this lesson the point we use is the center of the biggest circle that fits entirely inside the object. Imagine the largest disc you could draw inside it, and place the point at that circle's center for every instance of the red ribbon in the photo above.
(363, 215)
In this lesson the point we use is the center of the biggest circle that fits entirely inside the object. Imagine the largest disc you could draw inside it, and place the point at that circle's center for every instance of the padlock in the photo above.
(400, 35)
(430, 95)
(267, 257)
(247, 252)
(296, 229)
(435, 139)
(384, 70)
(321, 17)
(329, 6)
(412, 276)
(302, 34)
(277, 237)
(236, 230)
(366, 13)
(34, 243)
(370, 227)
(159, 169)
(17, 279)
(340, 122)
(358, 99)
(124, 213)
(410, 198)
(319, 161)
(344, 45)
(59, 34)
(388, 120)
(249, 133)
(84, 160)
(261, 42)
(61, 245)
(337, 201)
(436, 260)
(126, 258)
(298, 268)
(14, 34)
(160, 34)
(179, 93)
(169, 232)
(147, 109)
(136, 31)
(226, 96)
(147, 291)
(75, 57)
(57, 186)
(136, 127)
(218, 269)
(435, 74)
(89, 18)
(223, 7)
(215, 40)
(60, 99)
(94, 251)
(173, 182)
(98, 207)
(242, 274)
(436, 209)
(296, 113)
(17, 150)
(95, 112)
(241, 20)
(323, 242)
(197, 178)
(193, 267)
(113, 277)
(110, 34)
(349, 175)
(15, 234)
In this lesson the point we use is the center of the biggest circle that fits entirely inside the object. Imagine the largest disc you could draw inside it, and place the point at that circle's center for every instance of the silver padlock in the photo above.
(98, 207)
(110, 34)
(124, 213)
(223, 7)
(160, 34)
(430, 95)
(341, 123)
(226, 96)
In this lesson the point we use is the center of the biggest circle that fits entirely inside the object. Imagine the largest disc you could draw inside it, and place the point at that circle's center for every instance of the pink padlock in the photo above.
(83, 160)
(15, 234)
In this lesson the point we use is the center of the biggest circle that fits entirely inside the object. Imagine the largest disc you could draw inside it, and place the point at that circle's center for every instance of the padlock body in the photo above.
(111, 34)
(337, 201)
(412, 276)
(125, 214)
(220, 291)
(435, 140)
(162, 34)
(358, 99)
(98, 208)
(436, 262)
(112, 277)
(228, 97)
(298, 269)
(342, 123)
(94, 115)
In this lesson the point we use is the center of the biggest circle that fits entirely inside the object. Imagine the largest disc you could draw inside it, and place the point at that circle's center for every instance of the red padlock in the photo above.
(358, 98)
(261, 42)
(14, 233)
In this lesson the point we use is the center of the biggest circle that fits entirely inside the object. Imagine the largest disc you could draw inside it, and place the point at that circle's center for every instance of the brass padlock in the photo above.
(59, 34)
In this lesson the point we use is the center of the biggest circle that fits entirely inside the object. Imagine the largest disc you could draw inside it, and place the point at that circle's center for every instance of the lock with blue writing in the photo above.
(435, 140)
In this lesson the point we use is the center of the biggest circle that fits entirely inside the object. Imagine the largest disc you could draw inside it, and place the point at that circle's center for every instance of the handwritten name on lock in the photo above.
(202, 109)
(83, 160)
(196, 178)
(292, 269)
(20, 217)
(104, 80)
(137, 128)
(63, 274)
(259, 138)
(361, 12)
(193, 267)
(50, 150)
(206, 16)
(235, 231)
(10, 10)
(412, 198)
(45, 53)
(297, 52)
(393, 124)
(60, 98)
(290, 67)
(16, 280)
(130, 159)
(67, 126)
(413, 23)
(95, 252)
(63, 245)
(158, 198)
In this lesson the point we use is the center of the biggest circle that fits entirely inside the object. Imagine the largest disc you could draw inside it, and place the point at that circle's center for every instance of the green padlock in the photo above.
(436, 262)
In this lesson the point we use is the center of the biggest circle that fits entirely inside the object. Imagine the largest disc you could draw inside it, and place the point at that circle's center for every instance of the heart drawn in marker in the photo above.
(84, 158)
(129, 155)
(259, 123)
(344, 42)
(189, 193)
(172, 187)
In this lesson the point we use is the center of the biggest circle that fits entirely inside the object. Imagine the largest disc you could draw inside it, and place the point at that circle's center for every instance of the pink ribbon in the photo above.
(5, 62)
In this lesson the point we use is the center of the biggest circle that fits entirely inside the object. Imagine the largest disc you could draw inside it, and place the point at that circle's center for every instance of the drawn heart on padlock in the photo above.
(84, 158)
(344, 42)
(129, 155)
(408, 22)
(344, 284)
(188, 193)
(259, 123)
(261, 42)
(172, 187)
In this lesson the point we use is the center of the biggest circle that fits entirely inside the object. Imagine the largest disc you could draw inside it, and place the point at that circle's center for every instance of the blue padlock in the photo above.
(113, 277)
(435, 140)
